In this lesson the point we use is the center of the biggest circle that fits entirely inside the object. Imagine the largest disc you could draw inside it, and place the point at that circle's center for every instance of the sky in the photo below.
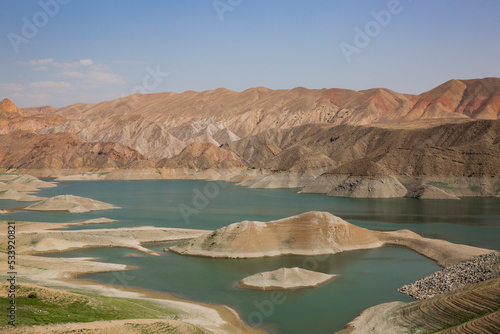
(60, 52)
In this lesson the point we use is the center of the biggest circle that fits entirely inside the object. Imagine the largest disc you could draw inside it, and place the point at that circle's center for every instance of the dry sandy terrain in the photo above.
(14, 195)
(44, 241)
(311, 233)
(23, 183)
(70, 203)
(38, 227)
(315, 233)
(19, 187)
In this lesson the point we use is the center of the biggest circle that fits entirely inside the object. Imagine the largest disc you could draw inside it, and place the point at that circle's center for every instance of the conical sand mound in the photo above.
(285, 279)
(310, 233)
(70, 203)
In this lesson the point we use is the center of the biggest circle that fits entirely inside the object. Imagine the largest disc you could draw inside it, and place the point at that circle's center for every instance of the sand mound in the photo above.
(70, 203)
(21, 182)
(315, 233)
(310, 233)
(14, 195)
(285, 279)
(368, 187)
(426, 191)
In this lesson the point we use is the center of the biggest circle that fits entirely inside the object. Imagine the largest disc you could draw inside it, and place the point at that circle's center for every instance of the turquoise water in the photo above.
(367, 277)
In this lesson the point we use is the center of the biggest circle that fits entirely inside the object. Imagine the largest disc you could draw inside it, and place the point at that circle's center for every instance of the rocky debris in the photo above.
(285, 279)
(300, 159)
(368, 187)
(30, 151)
(42, 241)
(480, 268)
(474, 309)
(426, 191)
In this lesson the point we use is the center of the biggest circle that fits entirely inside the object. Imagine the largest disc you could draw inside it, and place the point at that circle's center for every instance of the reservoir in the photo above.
(367, 277)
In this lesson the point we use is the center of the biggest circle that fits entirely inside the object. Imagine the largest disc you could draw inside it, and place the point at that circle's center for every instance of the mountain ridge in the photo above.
(143, 122)
(282, 138)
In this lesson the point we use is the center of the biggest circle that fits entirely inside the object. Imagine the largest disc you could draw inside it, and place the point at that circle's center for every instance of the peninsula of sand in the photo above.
(315, 233)
(70, 203)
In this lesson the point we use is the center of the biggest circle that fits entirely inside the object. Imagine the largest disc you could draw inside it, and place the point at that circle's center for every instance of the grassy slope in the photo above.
(55, 306)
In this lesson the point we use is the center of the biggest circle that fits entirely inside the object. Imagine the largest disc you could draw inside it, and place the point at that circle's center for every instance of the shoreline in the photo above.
(305, 182)
(51, 239)
(214, 317)
(63, 273)
(55, 275)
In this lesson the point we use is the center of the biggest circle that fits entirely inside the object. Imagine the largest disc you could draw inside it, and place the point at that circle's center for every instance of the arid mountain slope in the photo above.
(26, 150)
(300, 159)
(150, 123)
(12, 118)
(454, 149)
(472, 309)
(40, 110)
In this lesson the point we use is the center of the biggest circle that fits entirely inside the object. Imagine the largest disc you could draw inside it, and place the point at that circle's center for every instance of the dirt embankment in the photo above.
(473, 309)
(48, 271)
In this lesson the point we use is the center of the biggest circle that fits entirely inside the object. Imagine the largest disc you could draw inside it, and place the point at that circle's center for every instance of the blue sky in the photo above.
(95, 50)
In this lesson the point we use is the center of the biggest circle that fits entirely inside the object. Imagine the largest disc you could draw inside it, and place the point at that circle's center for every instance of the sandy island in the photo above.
(70, 203)
(315, 233)
(285, 279)
(19, 187)
(310, 233)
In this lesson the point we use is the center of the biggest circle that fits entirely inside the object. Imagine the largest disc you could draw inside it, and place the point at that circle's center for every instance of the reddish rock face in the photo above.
(284, 130)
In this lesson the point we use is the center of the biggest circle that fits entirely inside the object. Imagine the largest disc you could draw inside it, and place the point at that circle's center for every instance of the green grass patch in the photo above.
(288, 242)
(440, 185)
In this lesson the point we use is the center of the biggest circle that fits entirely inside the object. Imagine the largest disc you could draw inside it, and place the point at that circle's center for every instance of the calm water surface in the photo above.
(367, 277)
